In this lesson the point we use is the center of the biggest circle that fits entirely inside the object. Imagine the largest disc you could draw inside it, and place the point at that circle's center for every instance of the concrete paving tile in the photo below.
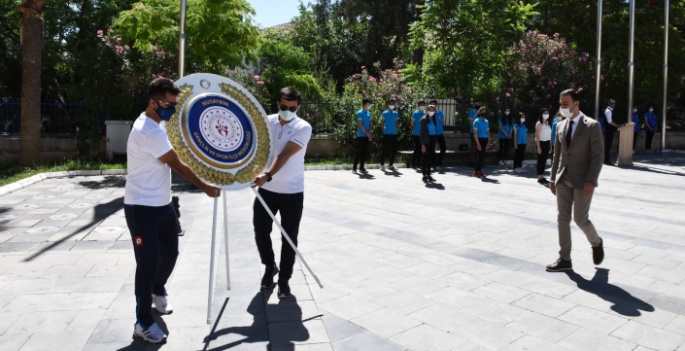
(419, 285)
(446, 317)
(543, 327)
(386, 322)
(464, 281)
(648, 336)
(8, 319)
(87, 285)
(35, 286)
(428, 338)
(387, 274)
(307, 332)
(107, 270)
(86, 321)
(404, 303)
(429, 270)
(67, 271)
(112, 330)
(456, 297)
(592, 319)
(61, 341)
(17, 247)
(349, 307)
(366, 340)
(338, 328)
(544, 305)
(370, 289)
(532, 343)
(501, 292)
(43, 322)
(291, 310)
(305, 347)
(13, 342)
(585, 339)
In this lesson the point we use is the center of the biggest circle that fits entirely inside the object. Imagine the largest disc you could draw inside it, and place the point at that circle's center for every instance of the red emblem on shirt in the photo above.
(139, 240)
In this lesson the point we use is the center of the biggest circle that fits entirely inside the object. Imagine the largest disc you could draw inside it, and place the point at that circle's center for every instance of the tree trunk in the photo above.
(31, 47)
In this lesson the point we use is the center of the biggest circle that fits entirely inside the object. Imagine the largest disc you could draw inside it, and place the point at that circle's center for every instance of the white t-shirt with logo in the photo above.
(290, 178)
(148, 182)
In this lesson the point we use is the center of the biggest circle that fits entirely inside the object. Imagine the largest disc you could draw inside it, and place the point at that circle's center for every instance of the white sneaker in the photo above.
(519, 170)
(382, 168)
(392, 168)
(501, 163)
(161, 303)
(152, 335)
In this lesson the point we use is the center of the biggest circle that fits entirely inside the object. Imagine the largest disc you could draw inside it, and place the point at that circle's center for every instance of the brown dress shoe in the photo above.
(560, 266)
(598, 253)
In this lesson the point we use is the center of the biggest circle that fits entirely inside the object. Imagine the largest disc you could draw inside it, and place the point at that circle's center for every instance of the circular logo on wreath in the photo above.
(219, 130)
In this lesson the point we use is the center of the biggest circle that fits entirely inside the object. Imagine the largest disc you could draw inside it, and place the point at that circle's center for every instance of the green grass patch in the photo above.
(12, 172)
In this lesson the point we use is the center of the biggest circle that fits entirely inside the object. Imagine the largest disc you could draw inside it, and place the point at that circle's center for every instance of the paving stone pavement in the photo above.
(457, 265)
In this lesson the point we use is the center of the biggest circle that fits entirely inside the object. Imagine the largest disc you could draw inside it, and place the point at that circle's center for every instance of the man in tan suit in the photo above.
(578, 157)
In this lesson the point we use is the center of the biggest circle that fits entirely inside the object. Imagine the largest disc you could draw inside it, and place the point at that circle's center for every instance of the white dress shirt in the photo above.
(575, 124)
(609, 115)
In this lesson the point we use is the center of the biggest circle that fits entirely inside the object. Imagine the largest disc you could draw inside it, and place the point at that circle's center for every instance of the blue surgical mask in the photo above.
(166, 113)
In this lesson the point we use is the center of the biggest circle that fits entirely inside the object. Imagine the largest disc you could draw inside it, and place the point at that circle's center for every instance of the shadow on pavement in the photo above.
(253, 333)
(623, 302)
(102, 211)
(108, 182)
(367, 176)
(436, 186)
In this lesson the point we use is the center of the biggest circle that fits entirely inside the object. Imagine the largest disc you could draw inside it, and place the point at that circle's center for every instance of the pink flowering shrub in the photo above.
(389, 84)
(540, 67)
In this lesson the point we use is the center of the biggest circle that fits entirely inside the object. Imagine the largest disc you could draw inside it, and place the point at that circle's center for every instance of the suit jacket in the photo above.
(581, 161)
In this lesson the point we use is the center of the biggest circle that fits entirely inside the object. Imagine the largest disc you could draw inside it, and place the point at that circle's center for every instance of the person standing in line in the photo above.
(427, 133)
(650, 128)
(636, 128)
(282, 188)
(609, 130)
(504, 136)
(363, 135)
(481, 133)
(575, 172)
(150, 214)
(520, 142)
(439, 132)
(472, 116)
(416, 129)
(543, 137)
(389, 121)
(557, 118)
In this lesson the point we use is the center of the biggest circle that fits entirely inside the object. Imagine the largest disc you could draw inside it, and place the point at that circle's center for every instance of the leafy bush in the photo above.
(388, 85)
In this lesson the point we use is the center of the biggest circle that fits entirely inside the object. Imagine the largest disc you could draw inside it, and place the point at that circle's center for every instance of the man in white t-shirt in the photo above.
(282, 188)
(150, 214)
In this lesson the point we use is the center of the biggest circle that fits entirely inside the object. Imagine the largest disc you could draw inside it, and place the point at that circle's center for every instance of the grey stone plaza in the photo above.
(457, 265)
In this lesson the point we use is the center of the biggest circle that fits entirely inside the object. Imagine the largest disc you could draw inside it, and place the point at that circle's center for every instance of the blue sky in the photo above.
(273, 12)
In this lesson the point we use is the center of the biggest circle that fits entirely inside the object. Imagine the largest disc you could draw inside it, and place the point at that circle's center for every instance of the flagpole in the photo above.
(664, 107)
(182, 41)
(631, 63)
(599, 57)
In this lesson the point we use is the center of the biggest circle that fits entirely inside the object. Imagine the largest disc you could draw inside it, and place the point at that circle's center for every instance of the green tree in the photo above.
(219, 33)
(466, 41)
(649, 41)
(31, 47)
(388, 22)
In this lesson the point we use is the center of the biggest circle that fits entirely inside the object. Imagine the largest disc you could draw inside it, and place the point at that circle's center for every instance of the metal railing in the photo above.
(56, 118)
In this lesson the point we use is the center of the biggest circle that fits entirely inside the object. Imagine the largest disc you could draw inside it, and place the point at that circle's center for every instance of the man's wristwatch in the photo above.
(268, 176)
